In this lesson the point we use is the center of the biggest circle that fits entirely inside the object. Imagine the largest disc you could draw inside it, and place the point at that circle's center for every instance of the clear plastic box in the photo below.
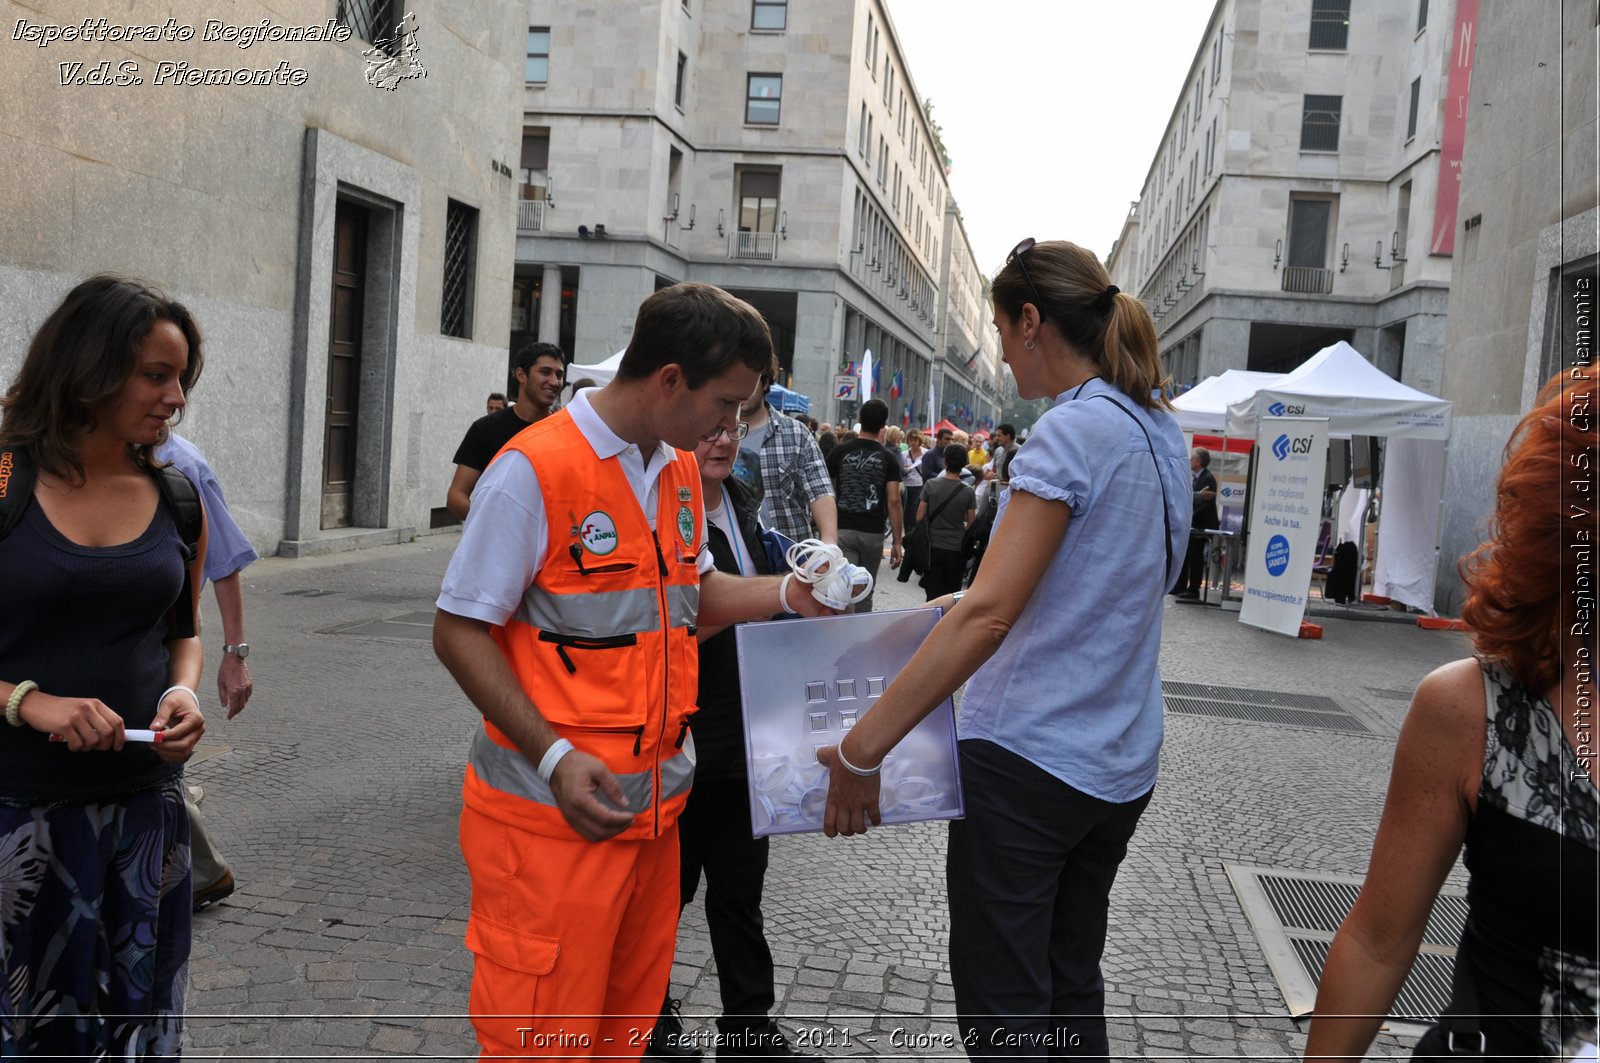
(805, 683)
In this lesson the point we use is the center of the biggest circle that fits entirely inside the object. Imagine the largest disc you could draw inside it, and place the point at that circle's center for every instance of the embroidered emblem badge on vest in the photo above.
(598, 533)
(686, 526)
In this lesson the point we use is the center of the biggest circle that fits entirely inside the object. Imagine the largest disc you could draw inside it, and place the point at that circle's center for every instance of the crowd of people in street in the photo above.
(611, 545)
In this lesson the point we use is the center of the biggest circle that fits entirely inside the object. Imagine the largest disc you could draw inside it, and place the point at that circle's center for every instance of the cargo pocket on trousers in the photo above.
(508, 967)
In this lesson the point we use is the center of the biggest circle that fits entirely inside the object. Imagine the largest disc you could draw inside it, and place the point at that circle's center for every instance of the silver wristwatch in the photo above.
(240, 650)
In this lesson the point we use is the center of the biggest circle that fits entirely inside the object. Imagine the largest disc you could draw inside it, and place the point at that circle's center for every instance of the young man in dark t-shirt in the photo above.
(540, 371)
(866, 484)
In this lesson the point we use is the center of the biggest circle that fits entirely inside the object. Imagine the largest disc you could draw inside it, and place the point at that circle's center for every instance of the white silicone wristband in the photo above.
(178, 686)
(552, 756)
(865, 773)
(783, 593)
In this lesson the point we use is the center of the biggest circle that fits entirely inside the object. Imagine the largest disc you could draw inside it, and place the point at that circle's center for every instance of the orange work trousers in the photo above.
(572, 941)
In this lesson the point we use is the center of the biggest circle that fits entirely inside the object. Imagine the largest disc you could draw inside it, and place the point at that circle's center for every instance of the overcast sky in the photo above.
(1051, 109)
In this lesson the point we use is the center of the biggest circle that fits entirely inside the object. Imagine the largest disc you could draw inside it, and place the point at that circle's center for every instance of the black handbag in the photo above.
(919, 544)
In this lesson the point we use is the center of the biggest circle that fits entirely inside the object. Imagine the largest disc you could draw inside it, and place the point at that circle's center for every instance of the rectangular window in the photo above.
(863, 137)
(1216, 59)
(883, 163)
(1308, 232)
(1411, 116)
(763, 98)
(537, 69)
(535, 162)
(683, 70)
(1194, 167)
(1211, 150)
(867, 51)
(769, 15)
(374, 21)
(1319, 123)
(460, 252)
(758, 201)
(1330, 25)
(1422, 15)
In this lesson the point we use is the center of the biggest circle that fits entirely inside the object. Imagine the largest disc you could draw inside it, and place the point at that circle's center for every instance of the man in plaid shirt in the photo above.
(780, 463)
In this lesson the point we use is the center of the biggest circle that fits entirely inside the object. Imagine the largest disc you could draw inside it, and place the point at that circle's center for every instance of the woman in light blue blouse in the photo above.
(1060, 729)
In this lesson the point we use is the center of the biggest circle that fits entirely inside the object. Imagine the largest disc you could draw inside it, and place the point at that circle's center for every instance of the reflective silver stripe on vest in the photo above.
(597, 614)
(677, 772)
(512, 773)
(591, 614)
(683, 604)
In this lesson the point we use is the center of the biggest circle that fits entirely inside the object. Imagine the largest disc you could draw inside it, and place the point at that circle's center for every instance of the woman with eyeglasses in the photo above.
(95, 642)
(1060, 730)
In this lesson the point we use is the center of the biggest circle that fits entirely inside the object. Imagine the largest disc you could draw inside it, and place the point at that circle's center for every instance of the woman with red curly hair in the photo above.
(1496, 755)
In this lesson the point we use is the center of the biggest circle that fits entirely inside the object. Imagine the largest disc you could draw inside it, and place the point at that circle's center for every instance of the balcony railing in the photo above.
(753, 245)
(530, 215)
(1307, 279)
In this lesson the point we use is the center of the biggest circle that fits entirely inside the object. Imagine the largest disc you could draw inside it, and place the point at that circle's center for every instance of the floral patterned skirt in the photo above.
(95, 913)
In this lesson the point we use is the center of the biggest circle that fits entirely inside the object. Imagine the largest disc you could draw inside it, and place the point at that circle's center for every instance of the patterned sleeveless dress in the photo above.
(1532, 852)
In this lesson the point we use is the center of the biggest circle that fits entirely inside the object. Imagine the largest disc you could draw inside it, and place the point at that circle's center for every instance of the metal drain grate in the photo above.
(1311, 711)
(418, 625)
(1295, 914)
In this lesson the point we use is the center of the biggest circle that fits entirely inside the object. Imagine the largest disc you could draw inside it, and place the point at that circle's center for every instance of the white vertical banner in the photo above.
(1285, 516)
(933, 410)
(866, 375)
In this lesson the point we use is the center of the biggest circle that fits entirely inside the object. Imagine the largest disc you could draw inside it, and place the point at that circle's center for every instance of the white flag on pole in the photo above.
(866, 376)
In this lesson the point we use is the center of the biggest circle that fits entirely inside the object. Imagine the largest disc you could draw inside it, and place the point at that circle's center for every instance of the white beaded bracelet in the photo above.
(552, 756)
(865, 773)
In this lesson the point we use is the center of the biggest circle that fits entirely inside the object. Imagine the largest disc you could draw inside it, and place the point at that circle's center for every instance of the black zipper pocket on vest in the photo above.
(576, 550)
(637, 732)
(579, 642)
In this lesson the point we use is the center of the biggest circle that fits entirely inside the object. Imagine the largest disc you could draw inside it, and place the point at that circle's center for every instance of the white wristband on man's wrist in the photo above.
(178, 686)
(552, 756)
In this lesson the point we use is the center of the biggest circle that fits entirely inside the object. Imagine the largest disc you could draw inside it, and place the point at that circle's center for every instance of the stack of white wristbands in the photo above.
(835, 582)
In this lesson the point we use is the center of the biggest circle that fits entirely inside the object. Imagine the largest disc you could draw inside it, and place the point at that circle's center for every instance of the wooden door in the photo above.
(344, 365)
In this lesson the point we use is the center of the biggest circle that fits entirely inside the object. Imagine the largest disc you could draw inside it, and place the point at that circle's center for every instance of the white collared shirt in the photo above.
(506, 536)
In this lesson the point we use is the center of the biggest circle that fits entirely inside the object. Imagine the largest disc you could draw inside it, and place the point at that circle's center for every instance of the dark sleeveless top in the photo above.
(85, 621)
(1531, 850)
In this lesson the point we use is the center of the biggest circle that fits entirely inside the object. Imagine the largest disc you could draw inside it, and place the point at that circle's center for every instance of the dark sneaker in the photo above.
(206, 896)
(668, 1040)
(758, 1042)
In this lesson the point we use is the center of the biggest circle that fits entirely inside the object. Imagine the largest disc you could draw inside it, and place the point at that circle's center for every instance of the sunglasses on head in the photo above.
(1016, 256)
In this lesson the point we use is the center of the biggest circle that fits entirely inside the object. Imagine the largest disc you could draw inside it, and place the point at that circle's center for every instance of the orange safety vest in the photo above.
(604, 640)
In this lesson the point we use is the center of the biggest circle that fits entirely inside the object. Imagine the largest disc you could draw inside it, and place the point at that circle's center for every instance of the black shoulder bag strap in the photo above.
(183, 500)
(1166, 515)
(931, 517)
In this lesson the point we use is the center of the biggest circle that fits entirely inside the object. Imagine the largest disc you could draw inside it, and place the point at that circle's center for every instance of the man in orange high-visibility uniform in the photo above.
(568, 616)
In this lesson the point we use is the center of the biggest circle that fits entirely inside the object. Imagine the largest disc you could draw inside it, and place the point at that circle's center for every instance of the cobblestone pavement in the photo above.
(336, 796)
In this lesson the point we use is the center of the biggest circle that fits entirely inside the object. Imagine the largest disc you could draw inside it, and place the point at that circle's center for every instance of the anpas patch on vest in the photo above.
(598, 533)
(686, 525)
(685, 494)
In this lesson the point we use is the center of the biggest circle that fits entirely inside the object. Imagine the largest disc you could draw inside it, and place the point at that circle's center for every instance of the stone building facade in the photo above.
(1523, 291)
(338, 214)
(776, 149)
(1294, 200)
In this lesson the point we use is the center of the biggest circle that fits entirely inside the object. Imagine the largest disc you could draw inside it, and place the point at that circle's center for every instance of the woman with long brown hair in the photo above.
(94, 643)
(1496, 754)
(1060, 730)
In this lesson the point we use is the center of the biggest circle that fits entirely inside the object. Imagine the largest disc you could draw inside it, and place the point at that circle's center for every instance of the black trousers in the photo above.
(1029, 873)
(944, 572)
(714, 838)
(1193, 572)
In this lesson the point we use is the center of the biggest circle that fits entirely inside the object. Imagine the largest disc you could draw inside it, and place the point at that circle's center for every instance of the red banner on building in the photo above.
(1457, 89)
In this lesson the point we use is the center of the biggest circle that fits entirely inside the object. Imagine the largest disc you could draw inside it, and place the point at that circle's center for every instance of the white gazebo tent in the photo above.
(1358, 398)
(601, 372)
(1204, 407)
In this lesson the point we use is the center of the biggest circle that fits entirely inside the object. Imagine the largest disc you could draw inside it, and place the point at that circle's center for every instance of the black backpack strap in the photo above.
(1166, 515)
(16, 486)
(183, 501)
